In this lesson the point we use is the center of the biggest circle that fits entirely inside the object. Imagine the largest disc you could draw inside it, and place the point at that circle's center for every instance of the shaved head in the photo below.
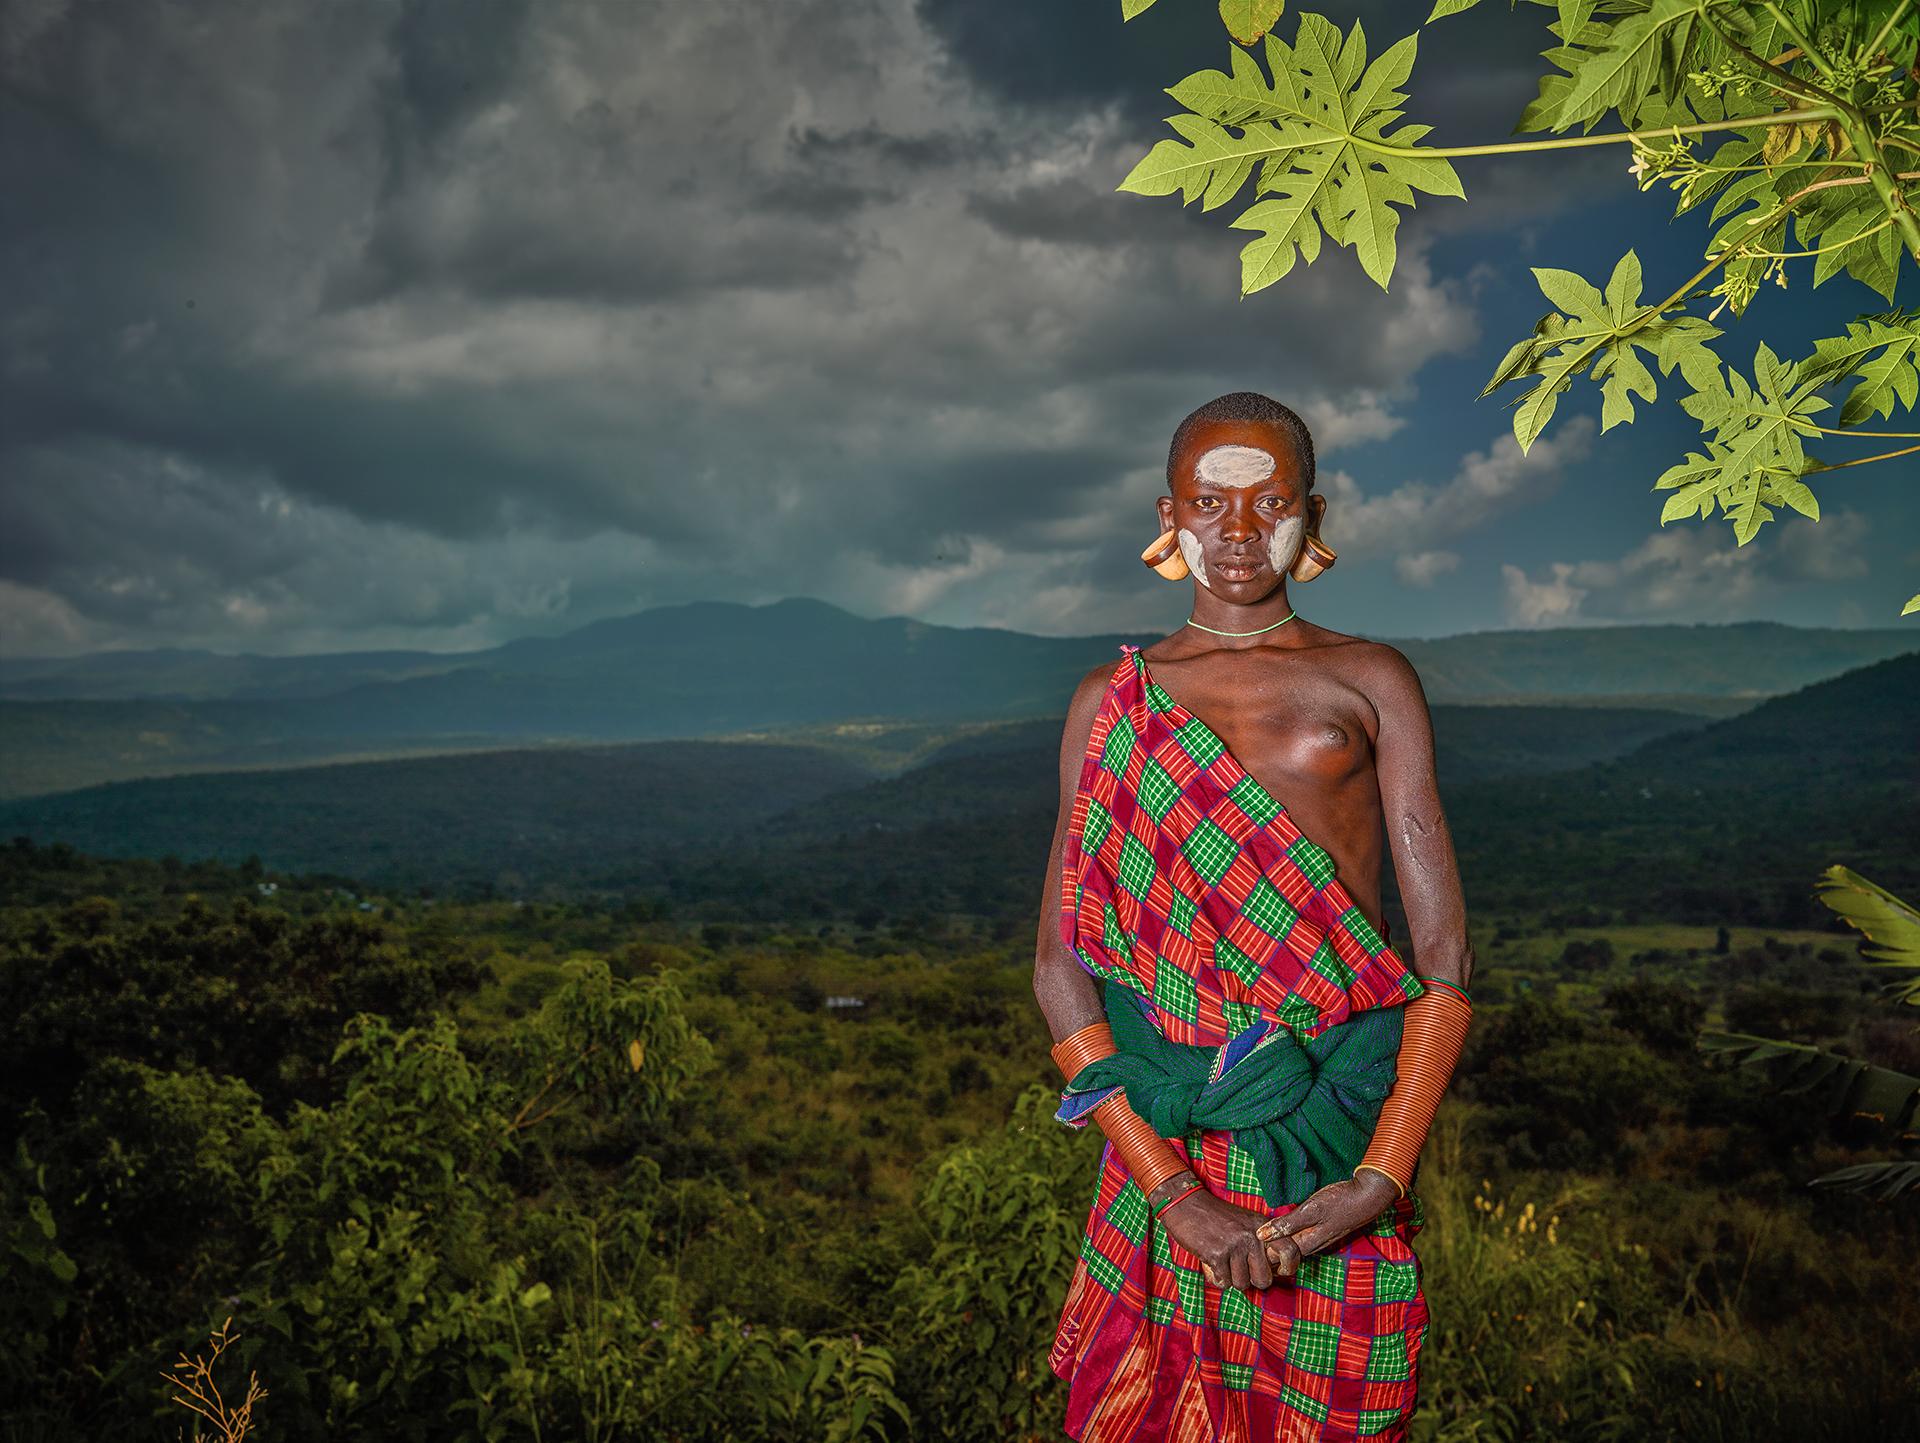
(1245, 406)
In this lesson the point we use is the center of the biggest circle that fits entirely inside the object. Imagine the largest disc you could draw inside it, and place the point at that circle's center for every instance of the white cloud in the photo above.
(1691, 571)
(38, 623)
(1423, 568)
(1485, 484)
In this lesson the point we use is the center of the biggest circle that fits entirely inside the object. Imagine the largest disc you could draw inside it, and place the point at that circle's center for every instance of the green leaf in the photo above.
(1913, 605)
(1755, 457)
(1248, 20)
(1607, 330)
(1890, 924)
(1884, 350)
(1313, 134)
(1131, 8)
(1846, 1086)
(1882, 1181)
(1622, 66)
(1444, 8)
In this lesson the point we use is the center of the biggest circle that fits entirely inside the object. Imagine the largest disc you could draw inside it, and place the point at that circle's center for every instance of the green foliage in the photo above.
(1841, 1085)
(1890, 925)
(1883, 350)
(1604, 330)
(413, 1251)
(36, 1276)
(1003, 1223)
(1317, 135)
(1756, 453)
(1821, 100)
(1248, 20)
(1882, 1181)
(1844, 1085)
(1641, 56)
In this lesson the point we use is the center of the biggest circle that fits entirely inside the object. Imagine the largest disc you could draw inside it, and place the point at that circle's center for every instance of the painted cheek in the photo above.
(1196, 558)
(1285, 543)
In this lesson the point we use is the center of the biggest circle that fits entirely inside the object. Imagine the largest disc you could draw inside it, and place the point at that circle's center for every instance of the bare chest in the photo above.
(1302, 732)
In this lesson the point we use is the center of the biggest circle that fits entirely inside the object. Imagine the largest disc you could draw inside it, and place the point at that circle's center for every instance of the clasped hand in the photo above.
(1249, 1249)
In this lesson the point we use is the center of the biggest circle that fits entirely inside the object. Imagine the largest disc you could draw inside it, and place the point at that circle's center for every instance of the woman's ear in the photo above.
(1165, 507)
(1316, 511)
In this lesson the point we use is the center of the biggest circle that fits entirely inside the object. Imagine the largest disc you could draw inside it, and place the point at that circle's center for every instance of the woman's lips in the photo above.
(1244, 566)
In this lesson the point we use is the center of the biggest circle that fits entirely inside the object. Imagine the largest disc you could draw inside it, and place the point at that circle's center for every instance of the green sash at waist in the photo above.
(1302, 1110)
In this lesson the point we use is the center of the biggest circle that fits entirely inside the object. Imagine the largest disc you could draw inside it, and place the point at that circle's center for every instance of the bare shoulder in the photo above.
(1092, 686)
(1385, 677)
(1084, 707)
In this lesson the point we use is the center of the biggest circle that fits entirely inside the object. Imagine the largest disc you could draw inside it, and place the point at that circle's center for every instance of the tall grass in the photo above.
(1564, 1309)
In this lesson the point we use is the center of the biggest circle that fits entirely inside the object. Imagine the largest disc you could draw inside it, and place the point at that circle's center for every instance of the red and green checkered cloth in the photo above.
(1185, 880)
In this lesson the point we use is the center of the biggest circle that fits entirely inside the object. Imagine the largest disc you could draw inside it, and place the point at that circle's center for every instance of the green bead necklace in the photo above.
(1280, 623)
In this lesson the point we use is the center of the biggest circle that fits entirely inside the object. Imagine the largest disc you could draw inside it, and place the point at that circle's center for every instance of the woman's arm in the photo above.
(1423, 860)
(1436, 1021)
(1068, 995)
(1429, 876)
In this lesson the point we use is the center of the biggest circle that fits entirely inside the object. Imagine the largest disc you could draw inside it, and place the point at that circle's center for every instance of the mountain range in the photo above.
(1653, 814)
(719, 669)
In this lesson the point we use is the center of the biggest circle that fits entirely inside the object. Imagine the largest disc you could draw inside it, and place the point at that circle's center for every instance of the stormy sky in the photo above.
(340, 324)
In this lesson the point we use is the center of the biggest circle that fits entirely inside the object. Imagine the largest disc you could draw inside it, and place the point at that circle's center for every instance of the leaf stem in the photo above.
(1818, 250)
(1887, 25)
(1573, 142)
(1806, 45)
(1859, 460)
(1848, 431)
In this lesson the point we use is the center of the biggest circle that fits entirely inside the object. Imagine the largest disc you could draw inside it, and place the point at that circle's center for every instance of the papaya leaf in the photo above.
(1607, 330)
(1755, 457)
(1845, 1086)
(1617, 66)
(1248, 20)
(1315, 134)
(1884, 350)
(1882, 1181)
(1890, 924)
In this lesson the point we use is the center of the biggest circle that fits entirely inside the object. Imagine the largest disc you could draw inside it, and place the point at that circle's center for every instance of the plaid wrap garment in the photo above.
(1187, 884)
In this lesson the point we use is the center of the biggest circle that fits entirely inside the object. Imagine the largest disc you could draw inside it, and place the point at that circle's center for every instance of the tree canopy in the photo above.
(1786, 116)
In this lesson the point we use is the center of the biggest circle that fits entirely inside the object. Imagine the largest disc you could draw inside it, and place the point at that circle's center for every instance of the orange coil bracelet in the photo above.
(1148, 1156)
(1089, 1044)
(1436, 1027)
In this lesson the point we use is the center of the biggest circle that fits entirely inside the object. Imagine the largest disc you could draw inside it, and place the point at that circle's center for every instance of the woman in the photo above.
(1214, 969)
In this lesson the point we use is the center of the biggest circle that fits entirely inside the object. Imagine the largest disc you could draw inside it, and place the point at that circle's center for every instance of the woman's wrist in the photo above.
(1172, 1191)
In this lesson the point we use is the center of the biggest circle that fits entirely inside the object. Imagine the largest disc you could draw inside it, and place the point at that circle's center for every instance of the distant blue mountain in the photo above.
(708, 669)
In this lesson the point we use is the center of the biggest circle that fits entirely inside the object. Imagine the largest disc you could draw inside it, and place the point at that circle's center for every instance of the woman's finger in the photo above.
(1259, 1268)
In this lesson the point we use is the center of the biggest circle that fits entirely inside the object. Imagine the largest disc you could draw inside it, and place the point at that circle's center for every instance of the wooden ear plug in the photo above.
(1315, 557)
(1163, 555)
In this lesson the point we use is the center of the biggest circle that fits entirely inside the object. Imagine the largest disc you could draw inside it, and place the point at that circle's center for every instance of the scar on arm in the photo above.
(1417, 828)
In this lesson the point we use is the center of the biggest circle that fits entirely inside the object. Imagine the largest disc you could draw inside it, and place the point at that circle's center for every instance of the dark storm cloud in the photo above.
(1475, 72)
(359, 317)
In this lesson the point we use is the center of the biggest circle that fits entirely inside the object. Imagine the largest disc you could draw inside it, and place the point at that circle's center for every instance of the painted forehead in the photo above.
(1234, 465)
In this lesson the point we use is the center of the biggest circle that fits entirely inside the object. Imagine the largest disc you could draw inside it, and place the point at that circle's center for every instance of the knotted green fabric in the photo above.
(1302, 1110)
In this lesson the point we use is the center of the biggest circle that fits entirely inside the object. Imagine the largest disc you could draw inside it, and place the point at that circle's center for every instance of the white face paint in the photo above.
(1196, 559)
(1235, 466)
(1285, 543)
